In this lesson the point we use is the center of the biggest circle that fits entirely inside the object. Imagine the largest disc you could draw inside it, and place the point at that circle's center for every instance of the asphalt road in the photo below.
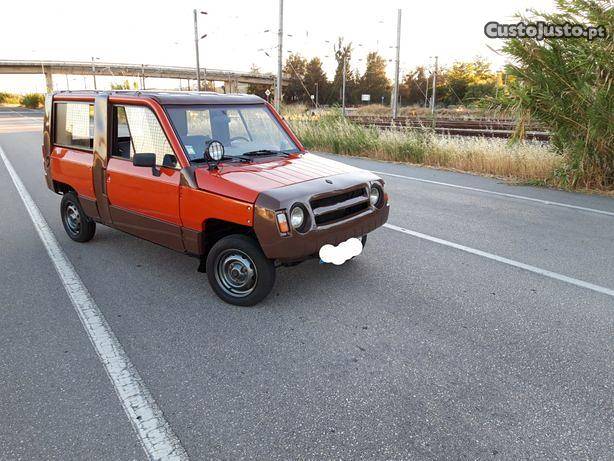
(416, 349)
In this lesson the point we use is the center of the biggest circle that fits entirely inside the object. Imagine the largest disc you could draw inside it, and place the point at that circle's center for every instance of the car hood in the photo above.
(244, 181)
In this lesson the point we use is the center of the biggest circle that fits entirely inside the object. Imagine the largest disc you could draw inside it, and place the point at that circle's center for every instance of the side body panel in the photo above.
(73, 167)
(143, 204)
(197, 206)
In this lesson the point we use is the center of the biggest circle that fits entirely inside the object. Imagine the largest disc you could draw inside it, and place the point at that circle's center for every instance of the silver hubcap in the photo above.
(236, 273)
(73, 218)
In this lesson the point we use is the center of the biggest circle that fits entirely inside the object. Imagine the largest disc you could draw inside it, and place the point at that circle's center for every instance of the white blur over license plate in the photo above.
(341, 253)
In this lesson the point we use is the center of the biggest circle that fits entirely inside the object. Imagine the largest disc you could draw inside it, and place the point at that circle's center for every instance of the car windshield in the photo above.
(242, 129)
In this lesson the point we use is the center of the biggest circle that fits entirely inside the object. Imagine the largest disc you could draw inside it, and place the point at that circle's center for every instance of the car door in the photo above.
(143, 201)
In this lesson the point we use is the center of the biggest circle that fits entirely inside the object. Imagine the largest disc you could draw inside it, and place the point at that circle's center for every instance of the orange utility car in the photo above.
(219, 177)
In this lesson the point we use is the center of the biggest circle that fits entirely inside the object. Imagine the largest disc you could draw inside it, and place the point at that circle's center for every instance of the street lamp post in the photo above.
(94, 72)
(197, 38)
(434, 85)
(433, 100)
(278, 85)
(395, 91)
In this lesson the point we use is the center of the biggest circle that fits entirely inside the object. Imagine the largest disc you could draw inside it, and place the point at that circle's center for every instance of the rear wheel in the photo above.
(77, 224)
(239, 272)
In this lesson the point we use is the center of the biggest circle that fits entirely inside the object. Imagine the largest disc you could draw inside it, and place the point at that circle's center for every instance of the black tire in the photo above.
(239, 272)
(77, 224)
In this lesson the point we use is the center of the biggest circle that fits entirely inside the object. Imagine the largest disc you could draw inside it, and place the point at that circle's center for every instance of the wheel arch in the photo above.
(63, 188)
(214, 229)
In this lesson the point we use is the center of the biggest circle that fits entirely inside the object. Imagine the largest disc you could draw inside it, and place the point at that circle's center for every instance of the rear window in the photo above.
(74, 125)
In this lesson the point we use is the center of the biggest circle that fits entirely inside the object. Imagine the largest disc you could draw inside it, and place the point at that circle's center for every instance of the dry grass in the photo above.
(293, 111)
(523, 161)
(459, 112)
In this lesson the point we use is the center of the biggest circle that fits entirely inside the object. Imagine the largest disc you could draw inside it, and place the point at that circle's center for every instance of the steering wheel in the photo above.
(238, 138)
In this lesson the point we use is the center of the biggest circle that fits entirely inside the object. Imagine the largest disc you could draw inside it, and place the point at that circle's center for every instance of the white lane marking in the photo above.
(510, 262)
(502, 194)
(154, 432)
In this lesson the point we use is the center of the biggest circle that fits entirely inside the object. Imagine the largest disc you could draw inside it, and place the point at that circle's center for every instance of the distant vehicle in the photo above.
(219, 177)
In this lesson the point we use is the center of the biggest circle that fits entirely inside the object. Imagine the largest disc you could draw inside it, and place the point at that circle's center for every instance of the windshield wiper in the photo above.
(263, 152)
(234, 158)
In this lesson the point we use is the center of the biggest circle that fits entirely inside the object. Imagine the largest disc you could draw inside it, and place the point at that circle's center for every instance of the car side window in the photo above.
(74, 125)
(137, 131)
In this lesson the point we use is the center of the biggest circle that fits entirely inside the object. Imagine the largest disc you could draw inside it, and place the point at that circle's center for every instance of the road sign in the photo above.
(365, 97)
(268, 93)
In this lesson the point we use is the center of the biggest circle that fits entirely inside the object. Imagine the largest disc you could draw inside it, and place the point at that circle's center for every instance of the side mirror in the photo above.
(146, 160)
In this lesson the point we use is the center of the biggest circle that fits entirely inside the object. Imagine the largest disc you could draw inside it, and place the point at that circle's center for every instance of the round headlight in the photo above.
(215, 151)
(297, 217)
(375, 195)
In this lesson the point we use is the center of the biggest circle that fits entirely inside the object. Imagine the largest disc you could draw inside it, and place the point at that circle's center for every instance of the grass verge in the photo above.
(522, 161)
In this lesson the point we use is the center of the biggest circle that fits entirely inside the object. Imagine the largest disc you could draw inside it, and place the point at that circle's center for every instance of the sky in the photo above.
(240, 33)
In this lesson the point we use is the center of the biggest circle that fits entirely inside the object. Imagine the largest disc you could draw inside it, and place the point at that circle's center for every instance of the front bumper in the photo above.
(297, 246)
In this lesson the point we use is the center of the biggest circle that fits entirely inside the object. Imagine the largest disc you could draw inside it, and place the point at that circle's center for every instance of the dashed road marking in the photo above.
(502, 194)
(509, 262)
(154, 432)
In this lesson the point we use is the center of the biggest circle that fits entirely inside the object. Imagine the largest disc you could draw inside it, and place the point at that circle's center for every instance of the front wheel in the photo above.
(77, 224)
(239, 272)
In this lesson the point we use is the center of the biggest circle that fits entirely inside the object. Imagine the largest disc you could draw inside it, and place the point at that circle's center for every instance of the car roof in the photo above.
(175, 97)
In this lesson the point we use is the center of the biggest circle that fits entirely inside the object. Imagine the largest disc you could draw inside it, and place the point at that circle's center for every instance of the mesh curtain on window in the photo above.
(78, 121)
(147, 134)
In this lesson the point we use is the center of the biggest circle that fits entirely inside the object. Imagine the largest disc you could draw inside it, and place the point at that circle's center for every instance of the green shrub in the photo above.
(33, 100)
(567, 85)
(9, 98)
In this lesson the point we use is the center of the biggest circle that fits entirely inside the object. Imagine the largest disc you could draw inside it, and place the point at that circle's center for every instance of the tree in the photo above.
(413, 87)
(467, 82)
(374, 81)
(567, 85)
(295, 67)
(124, 86)
(314, 75)
(342, 52)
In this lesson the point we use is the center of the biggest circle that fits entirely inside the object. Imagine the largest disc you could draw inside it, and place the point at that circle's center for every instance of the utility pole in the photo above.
(94, 73)
(196, 39)
(426, 94)
(345, 59)
(434, 86)
(395, 91)
(434, 91)
(317, 101)
(280, 37)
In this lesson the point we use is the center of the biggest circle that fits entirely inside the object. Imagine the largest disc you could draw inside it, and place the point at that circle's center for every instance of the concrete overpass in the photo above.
(231, 79)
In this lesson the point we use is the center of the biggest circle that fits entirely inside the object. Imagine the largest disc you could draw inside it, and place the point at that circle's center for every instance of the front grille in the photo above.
(334, 199)
(340, 214)
(340, 206)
